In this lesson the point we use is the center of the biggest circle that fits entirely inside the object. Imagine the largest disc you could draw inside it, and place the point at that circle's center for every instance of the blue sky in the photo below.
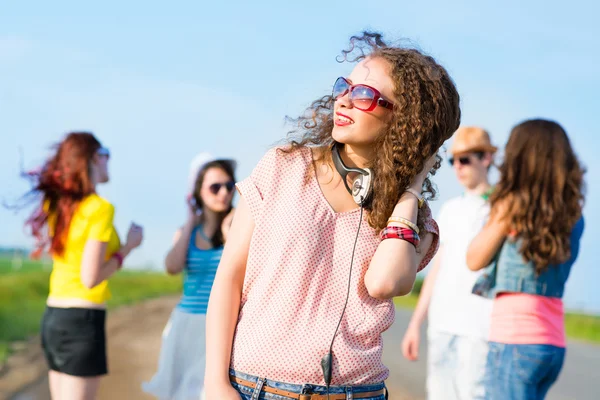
(159, 83)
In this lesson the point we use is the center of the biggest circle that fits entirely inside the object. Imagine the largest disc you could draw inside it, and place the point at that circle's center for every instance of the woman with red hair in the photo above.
(77, 224)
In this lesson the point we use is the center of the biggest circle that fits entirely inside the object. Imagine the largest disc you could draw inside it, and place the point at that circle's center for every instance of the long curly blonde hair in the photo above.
(425, 115)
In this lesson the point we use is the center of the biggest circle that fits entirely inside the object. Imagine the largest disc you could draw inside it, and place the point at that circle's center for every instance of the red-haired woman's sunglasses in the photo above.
(362, 97)
(103, 151)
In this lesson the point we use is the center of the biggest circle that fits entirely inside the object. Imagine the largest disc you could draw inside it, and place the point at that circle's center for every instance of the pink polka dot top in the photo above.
(296, 281)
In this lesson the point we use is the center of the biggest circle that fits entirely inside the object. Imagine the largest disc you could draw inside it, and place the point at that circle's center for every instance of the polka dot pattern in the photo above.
(296, 280)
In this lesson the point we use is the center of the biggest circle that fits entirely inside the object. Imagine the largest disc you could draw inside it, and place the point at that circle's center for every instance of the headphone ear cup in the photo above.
(361, 186)
(367, 181)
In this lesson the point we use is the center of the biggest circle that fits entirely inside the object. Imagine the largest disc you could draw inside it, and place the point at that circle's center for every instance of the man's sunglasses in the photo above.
(215, 188)
(362, 97)
(464, 160)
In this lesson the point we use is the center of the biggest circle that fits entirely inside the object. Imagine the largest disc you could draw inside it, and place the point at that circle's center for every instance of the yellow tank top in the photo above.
(93, 219)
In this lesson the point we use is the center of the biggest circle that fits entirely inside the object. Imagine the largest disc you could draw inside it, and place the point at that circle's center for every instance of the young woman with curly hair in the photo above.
(531, 240)
(77, 226)
(298, 269)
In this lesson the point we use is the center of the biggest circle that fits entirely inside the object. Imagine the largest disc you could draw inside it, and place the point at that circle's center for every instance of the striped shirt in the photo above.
(199, 274)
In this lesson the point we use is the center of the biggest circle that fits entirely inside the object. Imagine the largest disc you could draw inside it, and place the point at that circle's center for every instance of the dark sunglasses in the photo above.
(464, 160)
(215, 188)
(363, 97)
(103, 151)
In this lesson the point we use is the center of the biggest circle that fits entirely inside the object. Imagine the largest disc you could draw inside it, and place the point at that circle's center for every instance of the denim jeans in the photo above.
(455, 367)
(522, 371)
(246, 392)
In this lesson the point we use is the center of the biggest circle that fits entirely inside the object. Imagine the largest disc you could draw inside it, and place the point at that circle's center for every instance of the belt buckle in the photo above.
(306, 393)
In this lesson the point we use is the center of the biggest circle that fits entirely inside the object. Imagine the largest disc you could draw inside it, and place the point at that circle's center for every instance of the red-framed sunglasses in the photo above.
(363, 97)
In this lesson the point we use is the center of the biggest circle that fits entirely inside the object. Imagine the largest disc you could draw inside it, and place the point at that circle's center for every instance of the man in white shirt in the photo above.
(458, 321)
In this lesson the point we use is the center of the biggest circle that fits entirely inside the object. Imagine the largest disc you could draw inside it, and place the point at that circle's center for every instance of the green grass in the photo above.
(8, 266)
(3, 352)
(583, 327)
(409, 301)
(23, 295)
(131, 287)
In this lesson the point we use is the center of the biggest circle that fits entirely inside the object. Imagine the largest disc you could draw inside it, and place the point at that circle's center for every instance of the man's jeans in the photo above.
(455, 367)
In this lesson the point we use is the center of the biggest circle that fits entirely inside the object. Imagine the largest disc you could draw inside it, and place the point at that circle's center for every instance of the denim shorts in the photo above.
(257, 392)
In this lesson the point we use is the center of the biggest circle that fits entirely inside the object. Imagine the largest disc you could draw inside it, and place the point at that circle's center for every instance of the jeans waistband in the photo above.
(350, 390)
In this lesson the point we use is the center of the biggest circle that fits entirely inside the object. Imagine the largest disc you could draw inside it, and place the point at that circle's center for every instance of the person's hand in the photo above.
(134, 236)
(499, 214)
(417, 183)
(410, 343)
(227, 224)
(500, 209)
(222, 392)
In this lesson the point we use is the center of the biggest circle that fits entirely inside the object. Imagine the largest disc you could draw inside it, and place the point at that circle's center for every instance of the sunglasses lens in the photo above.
(362, 97)
(215, 188)
(340, 87)
(103, 151)
(461, 160)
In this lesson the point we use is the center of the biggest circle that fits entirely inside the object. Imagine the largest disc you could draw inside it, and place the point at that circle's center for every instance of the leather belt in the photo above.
(297, 396)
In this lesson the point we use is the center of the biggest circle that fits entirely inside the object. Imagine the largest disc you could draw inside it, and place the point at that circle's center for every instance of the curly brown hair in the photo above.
(425, 115)
(541, 184)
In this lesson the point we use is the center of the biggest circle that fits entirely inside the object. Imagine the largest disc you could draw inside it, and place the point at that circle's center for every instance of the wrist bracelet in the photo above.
(398, 232)
(404, 221)
(417, 195)
(119, 258)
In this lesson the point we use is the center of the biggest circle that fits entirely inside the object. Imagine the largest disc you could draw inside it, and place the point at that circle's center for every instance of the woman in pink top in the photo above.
(306, 261)
(532, 240)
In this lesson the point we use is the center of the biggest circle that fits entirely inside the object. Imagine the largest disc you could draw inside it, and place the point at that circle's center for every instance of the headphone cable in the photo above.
(327, 361)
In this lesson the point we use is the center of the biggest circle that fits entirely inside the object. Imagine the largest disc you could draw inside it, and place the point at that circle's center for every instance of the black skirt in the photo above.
(74, 341)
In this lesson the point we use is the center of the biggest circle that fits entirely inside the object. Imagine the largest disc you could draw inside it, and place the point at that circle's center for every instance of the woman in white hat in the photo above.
(196, 251)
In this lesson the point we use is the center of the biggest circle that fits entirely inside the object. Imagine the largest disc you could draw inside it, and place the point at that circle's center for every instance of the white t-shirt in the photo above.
(453, 308)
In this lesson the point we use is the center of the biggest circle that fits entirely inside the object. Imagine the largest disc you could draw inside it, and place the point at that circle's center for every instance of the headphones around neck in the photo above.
(361, 183)
(360, 191)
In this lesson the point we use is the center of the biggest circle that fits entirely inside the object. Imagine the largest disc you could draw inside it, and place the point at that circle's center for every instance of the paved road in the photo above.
(135, 339)
(579, 379)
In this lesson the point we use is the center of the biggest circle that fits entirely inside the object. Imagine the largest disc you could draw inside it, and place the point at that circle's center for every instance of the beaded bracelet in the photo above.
(119, 258)
(399, 232)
